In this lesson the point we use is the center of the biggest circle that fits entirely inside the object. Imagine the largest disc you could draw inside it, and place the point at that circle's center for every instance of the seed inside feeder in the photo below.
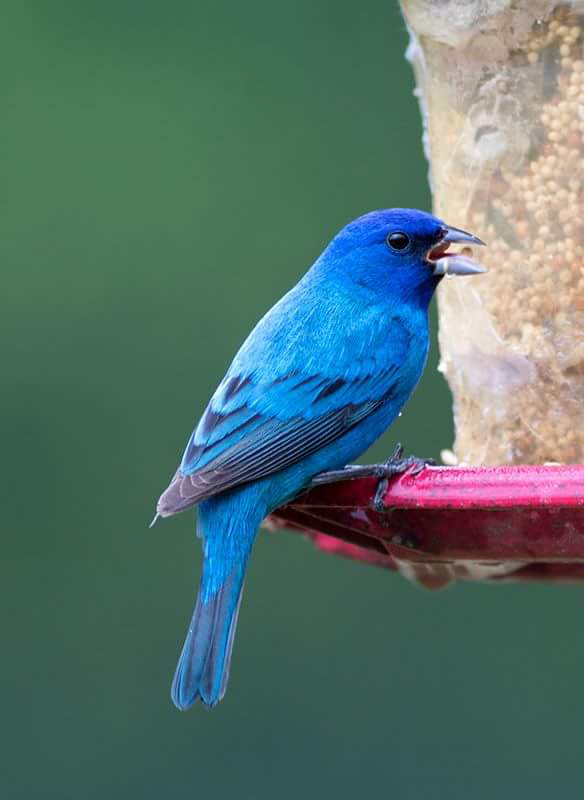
(503, 99)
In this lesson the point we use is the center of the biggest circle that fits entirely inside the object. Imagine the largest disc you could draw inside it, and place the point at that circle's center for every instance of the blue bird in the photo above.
(321, 376)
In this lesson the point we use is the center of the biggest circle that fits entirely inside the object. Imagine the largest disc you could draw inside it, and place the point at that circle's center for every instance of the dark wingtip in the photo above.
(180, 494)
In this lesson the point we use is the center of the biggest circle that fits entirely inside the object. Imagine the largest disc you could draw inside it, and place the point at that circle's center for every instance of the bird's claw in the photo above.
(395, 465)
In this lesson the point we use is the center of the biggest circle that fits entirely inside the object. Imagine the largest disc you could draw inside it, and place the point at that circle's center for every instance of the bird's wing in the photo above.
(251, 428)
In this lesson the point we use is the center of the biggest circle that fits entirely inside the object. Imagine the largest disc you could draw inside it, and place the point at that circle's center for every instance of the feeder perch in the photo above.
(454, 523)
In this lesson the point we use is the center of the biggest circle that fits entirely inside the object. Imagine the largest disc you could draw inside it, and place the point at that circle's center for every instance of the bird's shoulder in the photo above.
(326, 327)
(314, 351)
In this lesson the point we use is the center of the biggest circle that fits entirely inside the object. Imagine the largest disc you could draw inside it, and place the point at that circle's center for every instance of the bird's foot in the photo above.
(395, 465)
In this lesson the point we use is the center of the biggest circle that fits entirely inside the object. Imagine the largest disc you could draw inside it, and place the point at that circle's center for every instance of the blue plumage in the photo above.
(320, 377)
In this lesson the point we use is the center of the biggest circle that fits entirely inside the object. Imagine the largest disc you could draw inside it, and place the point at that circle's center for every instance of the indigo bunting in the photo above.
(320, 377)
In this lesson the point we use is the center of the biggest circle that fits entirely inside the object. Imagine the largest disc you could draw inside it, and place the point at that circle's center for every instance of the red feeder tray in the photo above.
(454, 523)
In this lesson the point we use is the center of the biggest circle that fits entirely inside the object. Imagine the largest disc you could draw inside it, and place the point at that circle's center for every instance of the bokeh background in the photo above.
(169, 170)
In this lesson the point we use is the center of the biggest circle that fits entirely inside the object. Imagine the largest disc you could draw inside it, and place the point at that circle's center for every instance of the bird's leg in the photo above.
(395, 465)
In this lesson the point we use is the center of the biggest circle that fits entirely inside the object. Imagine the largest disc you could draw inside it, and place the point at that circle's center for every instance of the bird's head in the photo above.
(401, 252)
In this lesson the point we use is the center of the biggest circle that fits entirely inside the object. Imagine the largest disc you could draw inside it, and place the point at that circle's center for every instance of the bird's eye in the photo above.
(398, 240)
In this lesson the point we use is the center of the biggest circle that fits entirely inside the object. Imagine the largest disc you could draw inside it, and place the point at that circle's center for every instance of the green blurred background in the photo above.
(169, 170)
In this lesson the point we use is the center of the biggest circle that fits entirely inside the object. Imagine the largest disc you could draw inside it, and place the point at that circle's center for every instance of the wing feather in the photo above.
(241, 437)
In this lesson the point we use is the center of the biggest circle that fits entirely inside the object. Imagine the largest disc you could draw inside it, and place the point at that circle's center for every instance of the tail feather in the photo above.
(203, 667)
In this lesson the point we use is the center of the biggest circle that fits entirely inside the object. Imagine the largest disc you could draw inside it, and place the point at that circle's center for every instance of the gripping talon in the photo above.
(395, 465)
(380, 491)
(397, 454)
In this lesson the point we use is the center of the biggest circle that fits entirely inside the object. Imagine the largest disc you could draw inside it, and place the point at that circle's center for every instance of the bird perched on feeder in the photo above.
(321, 376)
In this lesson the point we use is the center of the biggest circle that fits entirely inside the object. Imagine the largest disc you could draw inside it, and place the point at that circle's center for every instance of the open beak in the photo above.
(445, 263)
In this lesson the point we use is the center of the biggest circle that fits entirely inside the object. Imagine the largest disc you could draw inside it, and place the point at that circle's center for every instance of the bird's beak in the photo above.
(445, 263)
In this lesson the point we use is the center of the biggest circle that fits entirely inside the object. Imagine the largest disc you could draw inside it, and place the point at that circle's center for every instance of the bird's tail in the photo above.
(203, 667)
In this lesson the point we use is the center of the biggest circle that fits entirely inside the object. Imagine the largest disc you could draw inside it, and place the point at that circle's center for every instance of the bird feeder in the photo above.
(501, 90)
